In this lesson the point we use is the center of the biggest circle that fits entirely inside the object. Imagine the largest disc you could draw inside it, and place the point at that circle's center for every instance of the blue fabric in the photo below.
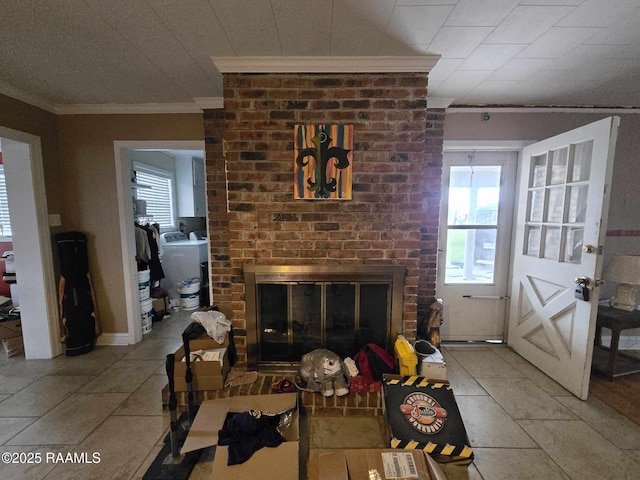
(247, 432)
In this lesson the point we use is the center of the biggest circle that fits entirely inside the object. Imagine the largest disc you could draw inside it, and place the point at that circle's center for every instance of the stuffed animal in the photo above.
(323, 371)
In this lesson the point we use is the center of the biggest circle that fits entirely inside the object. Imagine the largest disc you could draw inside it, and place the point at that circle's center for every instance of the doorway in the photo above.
(475, 240)
(125, 208)
(31, 240)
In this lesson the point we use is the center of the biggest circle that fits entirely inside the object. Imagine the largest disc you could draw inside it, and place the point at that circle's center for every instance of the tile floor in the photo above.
(521, 424)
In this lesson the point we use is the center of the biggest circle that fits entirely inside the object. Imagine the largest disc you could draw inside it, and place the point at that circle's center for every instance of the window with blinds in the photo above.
(5, 221)
(160, 199)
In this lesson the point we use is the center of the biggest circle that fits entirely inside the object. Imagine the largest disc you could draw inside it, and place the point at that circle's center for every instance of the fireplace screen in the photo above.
(296, 315)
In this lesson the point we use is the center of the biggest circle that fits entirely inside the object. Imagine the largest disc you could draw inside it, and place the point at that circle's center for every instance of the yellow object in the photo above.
(406, 356)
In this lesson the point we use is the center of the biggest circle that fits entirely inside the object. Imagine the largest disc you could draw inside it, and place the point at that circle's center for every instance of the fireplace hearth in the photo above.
(292, 310)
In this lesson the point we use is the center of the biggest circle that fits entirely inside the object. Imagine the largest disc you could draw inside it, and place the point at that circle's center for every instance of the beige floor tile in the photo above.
(488, 425)
(580, 450)
(41, 396)
(540, 379)
(13, 384)
(28, 471)
(92, 363)
(461, 472)
(146, 400)
(155, 349)
(71, 421)
(615, 427)
(346, 432)
(484, 363)
(507, 354)
(517, 464)
(522, 399)
(635, 454)
(123, 376)
(4, 397)
(19, 366)
(10, 427)
(462, 382)
(130, 441)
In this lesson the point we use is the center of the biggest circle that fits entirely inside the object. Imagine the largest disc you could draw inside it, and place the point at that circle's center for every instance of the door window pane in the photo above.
(556, 202)
(559, 165)
(552, 243)
(581, 161)
(573, 245)
(577, 204)
(532, 241)
(536, 205)
(538, 171)
(471, 256)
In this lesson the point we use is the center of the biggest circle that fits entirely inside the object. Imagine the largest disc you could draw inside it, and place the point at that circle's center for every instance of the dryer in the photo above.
(181, 259)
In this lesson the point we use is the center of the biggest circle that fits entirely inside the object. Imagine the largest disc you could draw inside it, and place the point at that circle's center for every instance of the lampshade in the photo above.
(624, 270)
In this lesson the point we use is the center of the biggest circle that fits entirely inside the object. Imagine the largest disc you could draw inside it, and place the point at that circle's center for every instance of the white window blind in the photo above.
(159, 198)
(5, 222)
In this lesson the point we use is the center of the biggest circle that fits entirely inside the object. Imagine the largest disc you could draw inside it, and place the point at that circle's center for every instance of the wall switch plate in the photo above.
(55, 220)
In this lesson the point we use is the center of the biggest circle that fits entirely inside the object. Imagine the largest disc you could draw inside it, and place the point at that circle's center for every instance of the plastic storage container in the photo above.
(189, 290)
(406, 356)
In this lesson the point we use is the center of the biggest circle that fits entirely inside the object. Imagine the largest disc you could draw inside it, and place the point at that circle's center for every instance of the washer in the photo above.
(181, 259)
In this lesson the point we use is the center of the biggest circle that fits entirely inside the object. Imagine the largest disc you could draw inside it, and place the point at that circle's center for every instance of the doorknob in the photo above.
(588, 249)
(584, 281)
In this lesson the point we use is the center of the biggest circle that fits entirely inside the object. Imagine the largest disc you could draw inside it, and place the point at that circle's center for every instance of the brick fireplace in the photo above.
(392, 219)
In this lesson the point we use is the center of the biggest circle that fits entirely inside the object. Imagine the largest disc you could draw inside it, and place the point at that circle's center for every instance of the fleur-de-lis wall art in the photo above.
(323, 161)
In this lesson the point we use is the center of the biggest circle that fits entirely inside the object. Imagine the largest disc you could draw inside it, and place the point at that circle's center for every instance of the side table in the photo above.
(617, 364)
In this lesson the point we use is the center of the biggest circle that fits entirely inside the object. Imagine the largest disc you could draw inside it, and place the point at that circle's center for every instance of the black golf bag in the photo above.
(79, 322)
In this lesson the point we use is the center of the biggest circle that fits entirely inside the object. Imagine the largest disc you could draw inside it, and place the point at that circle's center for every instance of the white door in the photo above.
(475, 239)
(560, 227)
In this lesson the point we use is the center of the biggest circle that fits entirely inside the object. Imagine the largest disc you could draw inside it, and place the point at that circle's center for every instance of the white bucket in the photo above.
(144, 293)
(146, 315)
(144, 276)
(144, 284)
(189, 293)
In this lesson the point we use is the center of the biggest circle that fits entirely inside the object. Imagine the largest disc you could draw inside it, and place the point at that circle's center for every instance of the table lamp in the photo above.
(625, 271)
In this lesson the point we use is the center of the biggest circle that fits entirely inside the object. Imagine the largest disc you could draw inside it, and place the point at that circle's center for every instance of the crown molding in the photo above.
(209, 103)
(438, 102)
(129, 109)
(496, 109)
(381, 64)
(28, 98)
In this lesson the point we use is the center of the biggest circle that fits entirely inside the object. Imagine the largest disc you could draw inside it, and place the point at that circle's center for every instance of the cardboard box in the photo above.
(279, 463)
(206, 375)
(13, 346)
(436, 372)
(381, 464)
(10, 329)
(424, 415)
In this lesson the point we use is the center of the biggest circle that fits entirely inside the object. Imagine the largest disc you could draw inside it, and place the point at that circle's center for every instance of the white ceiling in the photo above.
(68, 54)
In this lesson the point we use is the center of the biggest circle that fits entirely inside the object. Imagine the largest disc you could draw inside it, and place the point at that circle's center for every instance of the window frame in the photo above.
(3, 186)
(169, 175)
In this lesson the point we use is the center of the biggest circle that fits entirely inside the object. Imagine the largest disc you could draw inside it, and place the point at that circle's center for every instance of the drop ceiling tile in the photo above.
(442, 69)
(395, 47)
(459, 83)
(197, 29)
(490, 56)
(596, 13)
(357, 31)
(417, 25)
(480, 13)
(254, 34)
(458, 42)
(557, 41)
(303, 31)
(544, 3)
(519, 69)
(525, 24)
(623, 32)
(401, 3)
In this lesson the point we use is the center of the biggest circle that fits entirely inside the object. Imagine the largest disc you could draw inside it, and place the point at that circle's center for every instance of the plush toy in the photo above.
(323, 371)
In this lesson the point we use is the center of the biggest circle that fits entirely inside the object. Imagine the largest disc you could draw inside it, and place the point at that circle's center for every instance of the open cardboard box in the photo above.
(435, 371)
(382, 464)
(279, 463)
(423, 414)
(206, 375)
